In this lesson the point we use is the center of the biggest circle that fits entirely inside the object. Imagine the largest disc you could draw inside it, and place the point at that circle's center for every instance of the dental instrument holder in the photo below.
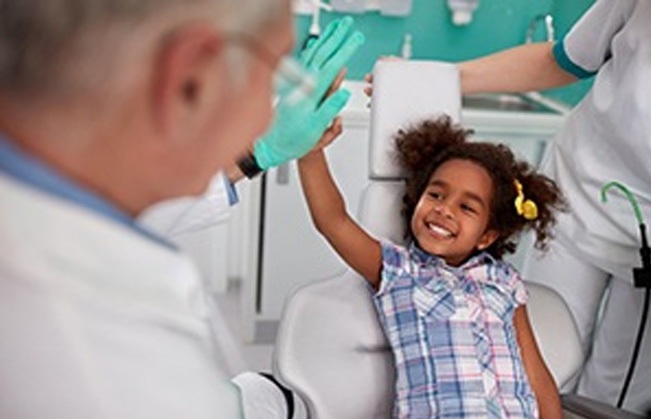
(641, 279)
(315, 25)
(642, 275)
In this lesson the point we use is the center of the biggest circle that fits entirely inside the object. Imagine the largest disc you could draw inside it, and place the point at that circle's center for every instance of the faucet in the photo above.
(549, 27)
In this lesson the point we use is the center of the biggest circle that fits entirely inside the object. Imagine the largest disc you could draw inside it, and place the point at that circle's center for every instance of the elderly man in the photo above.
(108, 107)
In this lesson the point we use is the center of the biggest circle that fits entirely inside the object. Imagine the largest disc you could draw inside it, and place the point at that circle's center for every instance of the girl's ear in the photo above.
(487, 239)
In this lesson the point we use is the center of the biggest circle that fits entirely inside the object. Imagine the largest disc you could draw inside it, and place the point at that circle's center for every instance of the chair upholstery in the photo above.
(331, 351)
(556, 334)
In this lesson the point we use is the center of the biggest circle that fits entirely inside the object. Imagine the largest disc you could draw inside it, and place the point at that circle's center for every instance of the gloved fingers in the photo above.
(277, 146)
(325, 124)
(332, 44)
(326, 76)
(331, 133)
(314, 44)
(308, 45)
(330, 108)
(336, 84)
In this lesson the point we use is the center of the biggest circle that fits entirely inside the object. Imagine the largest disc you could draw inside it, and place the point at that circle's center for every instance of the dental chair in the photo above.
(330, 348)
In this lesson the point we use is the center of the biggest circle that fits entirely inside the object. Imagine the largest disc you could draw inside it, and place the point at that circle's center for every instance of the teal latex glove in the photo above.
(297, 127)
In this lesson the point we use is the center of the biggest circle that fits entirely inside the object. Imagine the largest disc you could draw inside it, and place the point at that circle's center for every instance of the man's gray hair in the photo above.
(43, 41)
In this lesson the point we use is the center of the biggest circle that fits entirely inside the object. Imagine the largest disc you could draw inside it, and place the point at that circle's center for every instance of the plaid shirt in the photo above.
(452, 335)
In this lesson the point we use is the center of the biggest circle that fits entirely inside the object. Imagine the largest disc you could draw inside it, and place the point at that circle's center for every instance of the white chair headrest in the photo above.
(380, 210)
(405, 93)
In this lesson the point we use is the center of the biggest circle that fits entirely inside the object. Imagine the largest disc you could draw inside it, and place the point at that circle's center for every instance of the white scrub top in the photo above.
(608, 135)
(97, 318)
(182, 215)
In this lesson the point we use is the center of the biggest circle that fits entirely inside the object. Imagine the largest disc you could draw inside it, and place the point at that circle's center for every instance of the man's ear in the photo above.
(487, 239)
(186, 75)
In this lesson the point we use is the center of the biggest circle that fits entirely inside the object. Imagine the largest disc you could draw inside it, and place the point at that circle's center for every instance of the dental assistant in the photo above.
(107, 108)
(606, 137)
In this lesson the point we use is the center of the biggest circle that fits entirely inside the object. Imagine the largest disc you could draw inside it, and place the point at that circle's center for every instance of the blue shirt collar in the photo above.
(31, 171)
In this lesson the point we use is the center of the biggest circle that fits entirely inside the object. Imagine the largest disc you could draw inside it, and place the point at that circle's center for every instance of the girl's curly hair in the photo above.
(421, 149)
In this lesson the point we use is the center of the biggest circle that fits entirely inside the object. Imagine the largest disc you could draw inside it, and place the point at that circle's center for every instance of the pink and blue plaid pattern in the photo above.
(452, 335)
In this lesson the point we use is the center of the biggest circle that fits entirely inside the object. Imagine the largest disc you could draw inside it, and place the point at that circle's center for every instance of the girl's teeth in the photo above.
(439, 230)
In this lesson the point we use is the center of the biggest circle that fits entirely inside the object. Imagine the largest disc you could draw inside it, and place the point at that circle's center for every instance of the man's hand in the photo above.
(298, 127)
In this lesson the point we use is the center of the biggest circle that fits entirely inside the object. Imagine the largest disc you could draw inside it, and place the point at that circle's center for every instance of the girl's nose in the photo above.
(443, 209)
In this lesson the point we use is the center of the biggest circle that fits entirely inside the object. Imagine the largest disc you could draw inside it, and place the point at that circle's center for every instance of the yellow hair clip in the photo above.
(525, 207)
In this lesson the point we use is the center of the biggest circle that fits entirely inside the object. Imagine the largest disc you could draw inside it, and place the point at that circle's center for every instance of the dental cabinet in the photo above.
(281, 250)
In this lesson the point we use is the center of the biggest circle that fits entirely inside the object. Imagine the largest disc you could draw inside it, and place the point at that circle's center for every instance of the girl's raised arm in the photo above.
(359, 250)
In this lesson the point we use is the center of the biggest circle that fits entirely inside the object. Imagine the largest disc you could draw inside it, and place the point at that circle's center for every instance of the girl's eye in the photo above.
(435, 195)
(468, 208)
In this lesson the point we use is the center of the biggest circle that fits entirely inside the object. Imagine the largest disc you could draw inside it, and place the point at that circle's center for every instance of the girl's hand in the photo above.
(329, 135)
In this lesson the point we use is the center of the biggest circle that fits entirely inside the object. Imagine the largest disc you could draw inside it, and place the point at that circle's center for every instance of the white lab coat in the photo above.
(185, 214)
(260, 398)
(98, 321)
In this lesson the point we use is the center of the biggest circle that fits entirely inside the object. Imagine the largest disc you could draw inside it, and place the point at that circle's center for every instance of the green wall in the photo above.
(497, 24)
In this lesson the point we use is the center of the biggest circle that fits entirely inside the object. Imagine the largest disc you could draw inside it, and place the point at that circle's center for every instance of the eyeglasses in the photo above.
(292, 82)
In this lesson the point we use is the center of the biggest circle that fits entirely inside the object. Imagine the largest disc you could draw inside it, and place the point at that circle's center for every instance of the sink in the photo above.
(532, 102)
(505, 102)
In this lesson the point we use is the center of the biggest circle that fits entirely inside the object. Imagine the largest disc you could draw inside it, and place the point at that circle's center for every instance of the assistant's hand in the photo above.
(368, 77)
(298, 127)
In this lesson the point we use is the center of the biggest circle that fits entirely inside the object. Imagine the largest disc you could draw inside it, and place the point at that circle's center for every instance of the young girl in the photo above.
(452, 309)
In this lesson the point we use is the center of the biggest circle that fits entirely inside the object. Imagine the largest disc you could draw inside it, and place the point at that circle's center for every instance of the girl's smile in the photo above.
(440, 230)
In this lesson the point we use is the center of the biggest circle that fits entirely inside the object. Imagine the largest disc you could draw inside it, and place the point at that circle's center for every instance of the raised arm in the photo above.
(520, 69)
(328, 210)
(541, 380)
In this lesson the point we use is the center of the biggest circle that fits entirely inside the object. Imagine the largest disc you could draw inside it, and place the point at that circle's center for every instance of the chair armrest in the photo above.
(578, 407)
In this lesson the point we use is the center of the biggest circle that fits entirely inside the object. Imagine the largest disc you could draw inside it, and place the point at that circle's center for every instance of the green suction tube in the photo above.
(645, 252)
(629, 196)
(642, 278)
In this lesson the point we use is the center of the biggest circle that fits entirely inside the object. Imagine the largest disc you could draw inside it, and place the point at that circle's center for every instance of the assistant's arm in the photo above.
(328, 210)
(520, 69)
(541, 380)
